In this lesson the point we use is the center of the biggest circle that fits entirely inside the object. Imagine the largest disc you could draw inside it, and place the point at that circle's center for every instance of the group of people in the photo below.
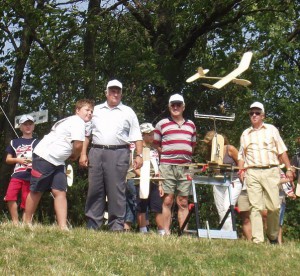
(101, 137)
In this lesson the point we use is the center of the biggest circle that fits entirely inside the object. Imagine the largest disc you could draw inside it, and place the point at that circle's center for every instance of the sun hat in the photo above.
(176, 98)
(146, 128)
(26, 118)
(258, 105)
(115, 83)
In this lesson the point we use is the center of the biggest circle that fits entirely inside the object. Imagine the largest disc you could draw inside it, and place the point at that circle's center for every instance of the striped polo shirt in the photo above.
(261, 147)
(176, 141)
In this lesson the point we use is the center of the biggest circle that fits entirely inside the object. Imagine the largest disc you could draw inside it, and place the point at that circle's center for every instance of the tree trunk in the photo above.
(89, 49)
(12, 104)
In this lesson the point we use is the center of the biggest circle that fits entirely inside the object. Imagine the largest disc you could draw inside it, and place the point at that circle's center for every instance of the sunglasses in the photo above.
(257, 113)
(176, 104)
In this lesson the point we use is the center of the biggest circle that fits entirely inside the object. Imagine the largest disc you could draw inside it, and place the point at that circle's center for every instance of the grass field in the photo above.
(45, 250)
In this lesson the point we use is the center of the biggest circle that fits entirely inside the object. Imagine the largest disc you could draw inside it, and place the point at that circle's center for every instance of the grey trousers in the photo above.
(107, 177)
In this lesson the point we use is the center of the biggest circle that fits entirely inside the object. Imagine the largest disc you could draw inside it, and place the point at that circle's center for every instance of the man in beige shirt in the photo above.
(261, 152)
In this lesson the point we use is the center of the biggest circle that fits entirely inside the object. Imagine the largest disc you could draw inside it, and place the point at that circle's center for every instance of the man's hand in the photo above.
(83, 161)
(241, 175)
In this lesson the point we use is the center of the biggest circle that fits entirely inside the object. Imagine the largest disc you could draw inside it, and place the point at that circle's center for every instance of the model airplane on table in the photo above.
(231, 77)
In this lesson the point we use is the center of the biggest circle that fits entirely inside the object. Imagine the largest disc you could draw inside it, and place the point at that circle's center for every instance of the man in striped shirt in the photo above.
(175, 139)
(261, 152)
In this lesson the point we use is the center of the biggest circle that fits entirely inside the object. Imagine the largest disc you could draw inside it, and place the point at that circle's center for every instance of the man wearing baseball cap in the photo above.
(175, 139)
(261, 151)
(19, 153)
(114, 126)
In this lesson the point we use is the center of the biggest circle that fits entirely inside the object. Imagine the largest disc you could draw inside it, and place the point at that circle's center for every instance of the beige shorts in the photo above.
(243, 201)
(175, 180)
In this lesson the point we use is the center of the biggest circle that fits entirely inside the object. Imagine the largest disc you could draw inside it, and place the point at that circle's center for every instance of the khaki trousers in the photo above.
(263, 191)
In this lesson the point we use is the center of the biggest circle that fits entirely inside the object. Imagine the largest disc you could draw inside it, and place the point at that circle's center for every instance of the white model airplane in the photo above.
(231, 77)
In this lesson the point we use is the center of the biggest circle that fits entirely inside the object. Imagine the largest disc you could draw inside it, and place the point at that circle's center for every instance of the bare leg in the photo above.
(32, 202)
(141, 218)
(247, 232)
(264, 215)
(280, 235)
(183, 210)
(60, 207)
(13, 210)
(166, 213)
(159, 221)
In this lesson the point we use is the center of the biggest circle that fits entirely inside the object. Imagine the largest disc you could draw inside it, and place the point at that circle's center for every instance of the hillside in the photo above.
(44, 250)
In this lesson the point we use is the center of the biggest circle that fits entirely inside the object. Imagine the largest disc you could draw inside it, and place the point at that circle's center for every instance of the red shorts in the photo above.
(15, 186)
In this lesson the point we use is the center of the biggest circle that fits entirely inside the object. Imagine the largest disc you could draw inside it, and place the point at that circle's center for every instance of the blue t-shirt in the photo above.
(22, 147)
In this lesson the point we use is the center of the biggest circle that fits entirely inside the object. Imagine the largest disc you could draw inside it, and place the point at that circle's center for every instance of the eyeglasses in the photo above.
(176, 104)
(257, 113)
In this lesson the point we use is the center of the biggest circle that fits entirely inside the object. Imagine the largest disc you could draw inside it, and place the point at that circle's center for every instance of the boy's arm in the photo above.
(76, 150)
(11, 160)
(83, 160)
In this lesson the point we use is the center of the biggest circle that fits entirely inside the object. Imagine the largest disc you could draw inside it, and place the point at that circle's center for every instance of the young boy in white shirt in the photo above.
(64, 142)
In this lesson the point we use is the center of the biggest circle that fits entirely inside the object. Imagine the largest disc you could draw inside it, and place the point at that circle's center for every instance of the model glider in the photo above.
(231, 77)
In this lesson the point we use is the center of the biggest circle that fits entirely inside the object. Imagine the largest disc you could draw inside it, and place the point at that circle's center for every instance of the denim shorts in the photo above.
(152, 203)
(46, 176)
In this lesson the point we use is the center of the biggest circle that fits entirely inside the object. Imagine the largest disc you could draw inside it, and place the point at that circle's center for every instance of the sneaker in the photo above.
(273, 241)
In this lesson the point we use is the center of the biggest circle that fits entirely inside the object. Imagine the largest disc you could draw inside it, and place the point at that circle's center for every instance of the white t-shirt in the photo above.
(57, 146)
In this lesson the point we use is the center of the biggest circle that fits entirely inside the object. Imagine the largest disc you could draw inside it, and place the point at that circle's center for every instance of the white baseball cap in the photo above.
(258, 105)
(113, 83)
(146, 128)
(26, 118)
(176, 98)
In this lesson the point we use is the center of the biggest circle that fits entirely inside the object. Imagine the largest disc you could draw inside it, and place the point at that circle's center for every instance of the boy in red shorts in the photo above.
(19, 153)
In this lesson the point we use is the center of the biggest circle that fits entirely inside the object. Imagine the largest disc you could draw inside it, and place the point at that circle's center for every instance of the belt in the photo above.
(263, 167)
(110, 147)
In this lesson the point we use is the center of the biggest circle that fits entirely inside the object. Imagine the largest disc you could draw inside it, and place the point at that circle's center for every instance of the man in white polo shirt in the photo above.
(175, 139)
(114, 126)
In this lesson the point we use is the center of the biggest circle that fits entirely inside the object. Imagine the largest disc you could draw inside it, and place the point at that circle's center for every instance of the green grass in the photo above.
(45, 250)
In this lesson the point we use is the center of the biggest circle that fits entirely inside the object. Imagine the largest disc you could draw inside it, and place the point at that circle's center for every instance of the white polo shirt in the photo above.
(56, 147)
(114, 126)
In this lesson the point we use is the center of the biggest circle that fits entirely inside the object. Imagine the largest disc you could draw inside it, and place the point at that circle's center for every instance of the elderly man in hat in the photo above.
(114, 126)
(19, 153)
(175, 138)
(261, 151)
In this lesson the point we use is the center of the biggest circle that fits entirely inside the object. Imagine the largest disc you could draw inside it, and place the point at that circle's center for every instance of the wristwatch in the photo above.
(140, 155)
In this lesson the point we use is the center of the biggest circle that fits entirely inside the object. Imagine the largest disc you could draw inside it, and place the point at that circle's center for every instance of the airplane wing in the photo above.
(243, 66)
(193, 78)
(201, 73)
